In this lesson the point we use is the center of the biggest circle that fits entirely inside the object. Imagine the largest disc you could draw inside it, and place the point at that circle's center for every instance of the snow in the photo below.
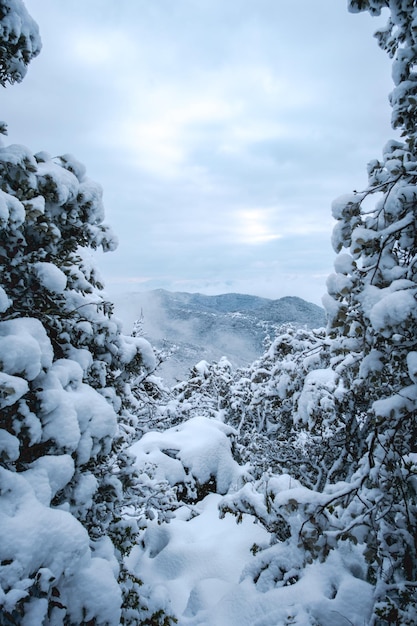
(203, 564)
(191, 559)
(48, 475)
(58, 415)
(16, 25)
(50, 276)
(131, 346)
(393, 311)
(35, 206)
(61, 558)
(412, 365)
(292, 558)
(338, 284)
(361, 236)
(82, 356)
(12, 211)
(332, 306)
(58, 181)
(91, 194)
(400, 403)
(317, 389)
(199, 449)
(97, 421)
(203, 368)
(346, 204)
(24, 347)
(98, 595)
(9, 446)
(5, 301)
(73, 414)
(344, 264)
(73, 165)
(12, 388)
(21, 156)
(371, 363)
(84, 490)
(68, 373)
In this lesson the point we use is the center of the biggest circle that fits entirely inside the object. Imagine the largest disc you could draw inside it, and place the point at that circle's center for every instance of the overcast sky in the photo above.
(220, 130)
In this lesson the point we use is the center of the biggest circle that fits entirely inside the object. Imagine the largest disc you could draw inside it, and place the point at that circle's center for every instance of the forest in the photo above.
(280, 493)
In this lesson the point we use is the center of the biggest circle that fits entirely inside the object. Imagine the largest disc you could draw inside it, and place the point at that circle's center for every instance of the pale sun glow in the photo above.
(252, 226)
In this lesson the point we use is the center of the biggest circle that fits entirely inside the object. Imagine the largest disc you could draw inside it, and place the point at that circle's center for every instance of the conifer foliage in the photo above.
(372, 307)
(65, 390)
(20, 41)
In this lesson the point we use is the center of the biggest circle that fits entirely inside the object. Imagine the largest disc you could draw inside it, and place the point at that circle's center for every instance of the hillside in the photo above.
(194, 326)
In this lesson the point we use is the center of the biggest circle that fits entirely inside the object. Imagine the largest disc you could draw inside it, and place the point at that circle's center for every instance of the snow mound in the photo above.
(198, 449)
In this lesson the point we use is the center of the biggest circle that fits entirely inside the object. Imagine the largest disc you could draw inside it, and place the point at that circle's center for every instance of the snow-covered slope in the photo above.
(197, 326)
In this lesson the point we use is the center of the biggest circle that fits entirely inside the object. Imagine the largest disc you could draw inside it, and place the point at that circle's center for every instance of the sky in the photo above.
(219, 131)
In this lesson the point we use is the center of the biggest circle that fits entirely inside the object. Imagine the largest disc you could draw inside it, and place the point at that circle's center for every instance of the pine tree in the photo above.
(373, 320)
(20, 41)
(67, 408)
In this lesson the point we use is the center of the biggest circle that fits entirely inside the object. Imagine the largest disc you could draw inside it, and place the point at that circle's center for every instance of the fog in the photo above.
(189, 330)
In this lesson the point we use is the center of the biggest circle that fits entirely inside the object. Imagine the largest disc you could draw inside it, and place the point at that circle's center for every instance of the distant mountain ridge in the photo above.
(198, 327)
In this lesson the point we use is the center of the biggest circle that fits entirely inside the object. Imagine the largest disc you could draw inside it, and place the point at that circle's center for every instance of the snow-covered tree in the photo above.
(284, 406)
(373, 319)
(205, 392)
(66, 378)
(20, 41)
(65, 383)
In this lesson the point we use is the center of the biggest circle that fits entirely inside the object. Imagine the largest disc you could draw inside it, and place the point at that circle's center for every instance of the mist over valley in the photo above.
(194, 327)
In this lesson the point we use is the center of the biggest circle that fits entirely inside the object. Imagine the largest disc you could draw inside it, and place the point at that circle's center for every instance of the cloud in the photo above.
(220, 131)
(253, 226)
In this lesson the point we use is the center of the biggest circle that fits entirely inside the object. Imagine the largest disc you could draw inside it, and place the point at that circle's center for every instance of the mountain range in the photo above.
(193, 326)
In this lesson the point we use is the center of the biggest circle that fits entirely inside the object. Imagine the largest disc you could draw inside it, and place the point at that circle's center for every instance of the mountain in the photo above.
(195, 327)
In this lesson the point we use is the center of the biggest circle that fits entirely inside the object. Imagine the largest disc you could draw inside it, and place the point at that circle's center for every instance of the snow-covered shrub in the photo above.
(287, 572)
(205, 392)
(194, 457)
(285, 408)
